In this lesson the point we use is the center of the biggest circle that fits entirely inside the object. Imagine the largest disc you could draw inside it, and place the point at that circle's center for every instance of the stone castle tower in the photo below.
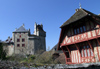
(27, 43)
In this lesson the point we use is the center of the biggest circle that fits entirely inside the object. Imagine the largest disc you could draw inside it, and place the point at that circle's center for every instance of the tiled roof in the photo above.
(21, 29)
(79, 14)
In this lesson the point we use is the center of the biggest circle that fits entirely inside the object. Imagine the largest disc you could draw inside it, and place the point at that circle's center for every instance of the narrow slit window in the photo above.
(81, 30)
(84, 28)
(75, 31)
(85, 51)
(88, 50)
(78, 30)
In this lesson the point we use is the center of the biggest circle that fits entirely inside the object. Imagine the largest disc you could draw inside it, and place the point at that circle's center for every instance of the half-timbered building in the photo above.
(80, 38)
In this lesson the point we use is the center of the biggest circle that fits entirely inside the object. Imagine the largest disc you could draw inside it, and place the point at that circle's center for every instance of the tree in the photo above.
(2, 52)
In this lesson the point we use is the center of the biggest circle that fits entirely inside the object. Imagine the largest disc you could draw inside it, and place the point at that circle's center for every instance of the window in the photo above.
(75, 31)
(18, 40)
(18, 45)
(23, 45)
(20, 36)
(84, 28)
(55, 49)
(23, 40)
(86, 51)
(85, 55)
(82, 53)
(79, 30)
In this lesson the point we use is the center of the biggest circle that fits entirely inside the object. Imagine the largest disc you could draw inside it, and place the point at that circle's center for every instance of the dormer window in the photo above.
(79, 30)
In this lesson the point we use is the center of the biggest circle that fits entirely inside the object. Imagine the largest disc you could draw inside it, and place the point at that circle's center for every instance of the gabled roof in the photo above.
(79, 14)
(21, 29)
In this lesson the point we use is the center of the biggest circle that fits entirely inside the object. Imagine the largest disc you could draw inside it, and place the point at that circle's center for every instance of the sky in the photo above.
(51, 13)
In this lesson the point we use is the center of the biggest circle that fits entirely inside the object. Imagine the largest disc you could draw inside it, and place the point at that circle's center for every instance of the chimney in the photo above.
(42, 26)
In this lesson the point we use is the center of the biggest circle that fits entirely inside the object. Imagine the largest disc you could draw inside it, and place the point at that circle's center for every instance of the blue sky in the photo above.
(51, 13)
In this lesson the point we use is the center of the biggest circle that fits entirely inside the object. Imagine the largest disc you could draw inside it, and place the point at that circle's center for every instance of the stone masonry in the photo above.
(26, 43)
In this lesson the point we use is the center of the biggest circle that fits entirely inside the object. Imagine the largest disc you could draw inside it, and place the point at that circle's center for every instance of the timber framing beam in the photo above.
(78, 50)
(69, 51)
(98, 49)
(91, 47)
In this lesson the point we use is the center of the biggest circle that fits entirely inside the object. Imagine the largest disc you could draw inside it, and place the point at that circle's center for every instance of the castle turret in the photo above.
(35, 30)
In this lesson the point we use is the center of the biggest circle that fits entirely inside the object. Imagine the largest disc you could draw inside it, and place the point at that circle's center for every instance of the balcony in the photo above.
(81, 37)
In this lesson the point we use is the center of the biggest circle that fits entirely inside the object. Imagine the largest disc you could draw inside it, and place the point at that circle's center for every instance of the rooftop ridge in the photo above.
(79, 14)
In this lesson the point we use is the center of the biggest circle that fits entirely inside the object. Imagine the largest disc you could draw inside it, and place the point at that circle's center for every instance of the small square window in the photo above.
(18, 40)
(23, 45)
(18, 45)
(23, 40)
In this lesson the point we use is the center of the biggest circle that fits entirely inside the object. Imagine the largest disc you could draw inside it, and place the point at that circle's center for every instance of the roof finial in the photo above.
(23, 25)
(80, 5)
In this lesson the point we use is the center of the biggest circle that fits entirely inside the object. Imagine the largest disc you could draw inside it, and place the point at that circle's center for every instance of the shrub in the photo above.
(2, 53)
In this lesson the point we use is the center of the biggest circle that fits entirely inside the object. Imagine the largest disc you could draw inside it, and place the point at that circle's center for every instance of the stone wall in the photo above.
(9, 49)
(20, 49)
(17, 65)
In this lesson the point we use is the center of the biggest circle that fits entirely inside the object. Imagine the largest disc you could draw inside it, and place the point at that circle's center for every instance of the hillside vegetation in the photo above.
(44, 58)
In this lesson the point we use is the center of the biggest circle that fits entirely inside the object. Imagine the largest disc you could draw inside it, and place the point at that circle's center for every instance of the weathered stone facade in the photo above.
(8, 46)
(26, 43)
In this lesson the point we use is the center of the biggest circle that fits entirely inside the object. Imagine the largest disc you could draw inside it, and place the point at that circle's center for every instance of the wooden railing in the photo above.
(81, 37)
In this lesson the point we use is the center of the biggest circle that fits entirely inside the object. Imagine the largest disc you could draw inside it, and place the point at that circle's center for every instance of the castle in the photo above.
(23, 42)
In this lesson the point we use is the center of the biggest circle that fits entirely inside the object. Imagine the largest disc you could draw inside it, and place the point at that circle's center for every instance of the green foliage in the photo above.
(29, 59)
(45, 58)
(2, 53)
(36, 60)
